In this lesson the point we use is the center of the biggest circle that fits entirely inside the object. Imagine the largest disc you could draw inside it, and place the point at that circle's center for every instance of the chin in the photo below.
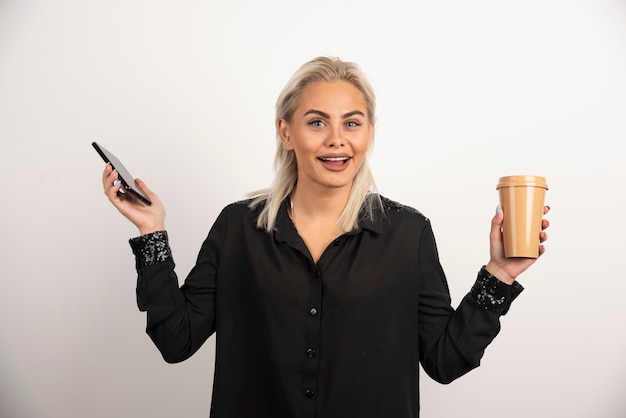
(338, 184)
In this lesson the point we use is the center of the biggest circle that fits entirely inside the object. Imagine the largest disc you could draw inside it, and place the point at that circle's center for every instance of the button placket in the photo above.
(311, 359)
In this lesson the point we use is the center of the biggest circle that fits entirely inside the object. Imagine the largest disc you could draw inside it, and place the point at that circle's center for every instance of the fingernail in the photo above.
(497, 209)
(117, 182)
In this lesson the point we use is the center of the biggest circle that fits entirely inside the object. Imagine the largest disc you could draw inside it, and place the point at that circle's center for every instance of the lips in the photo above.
(335, 163)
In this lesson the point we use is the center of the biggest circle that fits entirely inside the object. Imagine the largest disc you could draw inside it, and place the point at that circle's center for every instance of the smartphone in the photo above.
(128, 181)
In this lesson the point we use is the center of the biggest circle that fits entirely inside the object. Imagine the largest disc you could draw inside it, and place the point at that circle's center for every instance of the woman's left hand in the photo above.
(507, 269)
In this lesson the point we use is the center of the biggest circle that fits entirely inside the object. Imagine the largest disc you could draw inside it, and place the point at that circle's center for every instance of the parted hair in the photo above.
(320, 69)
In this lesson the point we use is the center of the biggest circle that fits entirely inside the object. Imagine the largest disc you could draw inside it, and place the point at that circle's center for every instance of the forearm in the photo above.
(169, 323)
(470, 329)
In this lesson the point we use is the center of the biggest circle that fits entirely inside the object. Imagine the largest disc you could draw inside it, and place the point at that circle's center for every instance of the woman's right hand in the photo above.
(147, 218)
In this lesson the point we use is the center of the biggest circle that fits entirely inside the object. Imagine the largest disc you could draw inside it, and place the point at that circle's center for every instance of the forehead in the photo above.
(340, 96)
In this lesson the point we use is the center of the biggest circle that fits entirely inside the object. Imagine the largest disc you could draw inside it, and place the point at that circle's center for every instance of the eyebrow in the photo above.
(327, 116)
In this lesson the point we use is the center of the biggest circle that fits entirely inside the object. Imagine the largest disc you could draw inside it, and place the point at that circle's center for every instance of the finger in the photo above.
(495, 233)
(113, 186)
(114, 193)
(542, 250)
(499, 216)
(108, 169)
(545, 224)
(110, 179)
(546, 209)
(498, 219)
(543, 236)
(143, 187)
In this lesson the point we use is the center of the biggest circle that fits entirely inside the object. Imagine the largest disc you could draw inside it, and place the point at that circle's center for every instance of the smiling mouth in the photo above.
(334, 159)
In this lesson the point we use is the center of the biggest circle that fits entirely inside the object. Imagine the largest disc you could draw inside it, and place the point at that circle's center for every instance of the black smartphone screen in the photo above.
(128, 181)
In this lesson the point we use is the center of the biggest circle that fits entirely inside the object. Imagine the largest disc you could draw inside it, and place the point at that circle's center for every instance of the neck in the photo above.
(326, 206)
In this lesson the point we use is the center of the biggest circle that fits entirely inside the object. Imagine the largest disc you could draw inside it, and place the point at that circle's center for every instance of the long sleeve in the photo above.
(179, 319)
(452, 342)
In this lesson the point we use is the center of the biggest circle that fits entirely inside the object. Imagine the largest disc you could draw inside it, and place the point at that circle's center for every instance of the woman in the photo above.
(325, 297)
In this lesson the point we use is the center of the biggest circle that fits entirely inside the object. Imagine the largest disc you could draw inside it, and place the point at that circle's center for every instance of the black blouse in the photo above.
(340, 338)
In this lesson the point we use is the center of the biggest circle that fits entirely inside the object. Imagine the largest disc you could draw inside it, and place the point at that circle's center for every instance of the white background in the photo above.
(183, 92)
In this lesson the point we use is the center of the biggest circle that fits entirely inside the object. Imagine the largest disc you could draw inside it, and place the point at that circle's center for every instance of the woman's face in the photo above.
(330, 134)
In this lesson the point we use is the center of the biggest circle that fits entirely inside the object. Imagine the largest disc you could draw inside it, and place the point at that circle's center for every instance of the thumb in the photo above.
(143, 187)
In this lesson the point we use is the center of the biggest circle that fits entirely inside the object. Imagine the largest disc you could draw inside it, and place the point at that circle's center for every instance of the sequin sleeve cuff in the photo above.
(151, 248)
(493, 295)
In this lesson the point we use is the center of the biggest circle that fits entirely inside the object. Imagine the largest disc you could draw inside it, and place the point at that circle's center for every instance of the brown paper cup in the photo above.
(522, 200)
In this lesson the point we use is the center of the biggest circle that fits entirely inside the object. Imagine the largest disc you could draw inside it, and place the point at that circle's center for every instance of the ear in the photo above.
(283, 131)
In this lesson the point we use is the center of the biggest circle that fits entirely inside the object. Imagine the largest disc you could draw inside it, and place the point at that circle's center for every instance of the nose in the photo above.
(335, 137)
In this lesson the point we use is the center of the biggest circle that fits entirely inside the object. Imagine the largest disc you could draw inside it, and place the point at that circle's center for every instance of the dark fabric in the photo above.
(492, 294)
(340, 338)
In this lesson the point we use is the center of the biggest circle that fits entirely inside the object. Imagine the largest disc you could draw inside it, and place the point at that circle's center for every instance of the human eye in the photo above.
(353, 124)
(317, 123)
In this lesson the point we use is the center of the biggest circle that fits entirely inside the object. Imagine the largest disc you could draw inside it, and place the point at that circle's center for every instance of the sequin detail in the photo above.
(393, 206)
(493, 295)
(151, 248)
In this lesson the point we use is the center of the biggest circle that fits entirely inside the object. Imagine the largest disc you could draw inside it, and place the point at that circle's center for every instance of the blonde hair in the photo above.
(317, 70)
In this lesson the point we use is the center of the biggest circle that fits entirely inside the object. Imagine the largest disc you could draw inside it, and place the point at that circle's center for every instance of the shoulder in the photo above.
(236, 217)
(389, 215)
(240, 204)
(242, 208)
(395, 209)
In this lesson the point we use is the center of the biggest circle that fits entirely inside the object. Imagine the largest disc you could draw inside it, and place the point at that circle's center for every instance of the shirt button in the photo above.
(313, 311)
(337, 242)
(310, 352)
(309, 393)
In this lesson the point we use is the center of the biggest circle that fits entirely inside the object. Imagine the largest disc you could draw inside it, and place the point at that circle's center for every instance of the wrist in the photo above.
(499, 273)
(151, 249)
(492, 294)
(145, 230)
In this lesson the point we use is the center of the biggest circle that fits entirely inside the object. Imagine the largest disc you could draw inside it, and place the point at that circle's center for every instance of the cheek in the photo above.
(303, 149)
(303, 156)
(361, 151)
(362, 145)
(364, 140)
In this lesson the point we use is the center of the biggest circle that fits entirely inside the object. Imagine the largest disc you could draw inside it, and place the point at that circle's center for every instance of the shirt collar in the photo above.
(286, 230)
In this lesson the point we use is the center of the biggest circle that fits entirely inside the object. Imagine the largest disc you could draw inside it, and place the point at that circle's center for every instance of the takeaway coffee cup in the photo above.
(522, 200)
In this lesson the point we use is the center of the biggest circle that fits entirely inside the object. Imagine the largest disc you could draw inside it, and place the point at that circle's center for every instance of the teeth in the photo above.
(335, 159)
